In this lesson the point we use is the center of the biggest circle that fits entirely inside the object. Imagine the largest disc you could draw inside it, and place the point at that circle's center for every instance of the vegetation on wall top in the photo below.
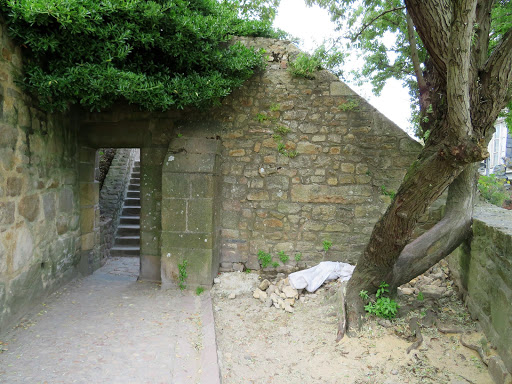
(158, 54)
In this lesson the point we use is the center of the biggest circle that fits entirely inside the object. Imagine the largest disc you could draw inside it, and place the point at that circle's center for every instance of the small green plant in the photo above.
(493, 190)
(247, 271)
(275, 107)
(281, 146)
(261, 117)
(275, 264)
(298, 257)
(387, 192)
(304, 66)
(199, 290)
(349, 105)
(182, 274)
(180, 135)
(282, 129)
(383, 306)
(265, 258)
(420, 296)
(283, 256)
(327, 245)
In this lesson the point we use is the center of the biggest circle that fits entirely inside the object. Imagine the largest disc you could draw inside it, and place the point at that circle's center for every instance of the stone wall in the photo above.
(39, 207)
(303, 162)
(483, 270)
(112, 196)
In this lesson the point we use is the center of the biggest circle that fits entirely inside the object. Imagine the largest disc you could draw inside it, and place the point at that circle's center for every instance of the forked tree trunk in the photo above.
(466, 91)
(422, 253)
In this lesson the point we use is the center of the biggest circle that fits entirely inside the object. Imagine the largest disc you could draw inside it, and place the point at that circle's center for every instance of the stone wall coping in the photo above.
(493, 216)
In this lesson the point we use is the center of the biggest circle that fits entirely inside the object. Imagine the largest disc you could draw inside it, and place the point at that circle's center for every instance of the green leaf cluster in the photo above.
(182, 274)
(158, 54)
(383, 306)
(493, 190)
(264, 258)
(305, 66)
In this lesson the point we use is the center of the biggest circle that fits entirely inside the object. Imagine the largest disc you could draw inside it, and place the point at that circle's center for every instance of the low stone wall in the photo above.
(483, 270)
(112, 196)
(39, 195)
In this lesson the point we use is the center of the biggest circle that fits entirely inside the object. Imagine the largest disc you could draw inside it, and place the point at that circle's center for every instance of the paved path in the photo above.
(109, 328)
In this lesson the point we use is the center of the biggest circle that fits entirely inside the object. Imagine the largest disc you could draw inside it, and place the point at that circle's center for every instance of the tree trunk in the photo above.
(467, 90)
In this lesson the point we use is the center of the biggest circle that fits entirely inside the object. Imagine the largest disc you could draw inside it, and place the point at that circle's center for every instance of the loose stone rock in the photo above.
(290, 302)
(264, 285)
(405, 291)
(232, 296)
(290, 292)
(271, 289)
(431, 291)
(257, 293)
(288, 308)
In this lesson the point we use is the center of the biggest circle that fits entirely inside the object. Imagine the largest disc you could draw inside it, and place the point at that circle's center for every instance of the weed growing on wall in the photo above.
(305, 66)
(182, 275)
(387, 192)
(283, 256)
(349, 105)
(326, 244)
(264, 258)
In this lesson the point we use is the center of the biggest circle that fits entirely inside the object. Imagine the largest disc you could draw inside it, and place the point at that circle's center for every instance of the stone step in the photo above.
(135, 180)
(132, 202)
(135, 175)
(128, 230)
(124, 251)
(132, 241)
(131, 211)
(136, 168)
(135, 194)
(134, 187)
(129, 220)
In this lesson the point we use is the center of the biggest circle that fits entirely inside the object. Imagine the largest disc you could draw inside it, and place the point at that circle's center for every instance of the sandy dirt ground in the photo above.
(265, 345)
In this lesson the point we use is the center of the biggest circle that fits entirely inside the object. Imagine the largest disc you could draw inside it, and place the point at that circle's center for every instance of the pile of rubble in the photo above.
(433, 284)
(279, 294)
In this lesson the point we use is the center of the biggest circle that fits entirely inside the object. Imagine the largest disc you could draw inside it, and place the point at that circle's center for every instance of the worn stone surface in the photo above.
(483, 268)
(38, 195)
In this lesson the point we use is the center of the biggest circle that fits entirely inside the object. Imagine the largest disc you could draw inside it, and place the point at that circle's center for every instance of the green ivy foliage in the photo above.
(158, 54)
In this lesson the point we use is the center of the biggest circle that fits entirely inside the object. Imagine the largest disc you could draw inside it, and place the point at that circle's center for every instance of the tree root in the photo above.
(342, 323)
(477, 349)
(448, 330)
(415, 328)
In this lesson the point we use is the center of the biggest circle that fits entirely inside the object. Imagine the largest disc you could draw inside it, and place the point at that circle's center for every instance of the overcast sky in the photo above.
(313, 25)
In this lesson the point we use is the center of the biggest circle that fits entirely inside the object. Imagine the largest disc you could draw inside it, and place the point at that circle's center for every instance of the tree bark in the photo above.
(467, 92)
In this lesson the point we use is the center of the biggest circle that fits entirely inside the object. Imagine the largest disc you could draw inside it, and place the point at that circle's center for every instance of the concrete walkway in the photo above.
(109, 328)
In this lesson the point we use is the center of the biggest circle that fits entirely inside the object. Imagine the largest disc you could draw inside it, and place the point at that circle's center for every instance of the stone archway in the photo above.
(122, 133)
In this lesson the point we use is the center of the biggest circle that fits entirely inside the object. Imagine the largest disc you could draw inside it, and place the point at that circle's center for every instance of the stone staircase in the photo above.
(127, 240)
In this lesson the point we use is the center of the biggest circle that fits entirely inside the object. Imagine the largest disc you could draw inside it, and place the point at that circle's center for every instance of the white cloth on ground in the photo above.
(313, 278)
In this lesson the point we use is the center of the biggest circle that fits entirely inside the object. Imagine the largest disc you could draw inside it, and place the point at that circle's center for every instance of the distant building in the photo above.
(500, 150)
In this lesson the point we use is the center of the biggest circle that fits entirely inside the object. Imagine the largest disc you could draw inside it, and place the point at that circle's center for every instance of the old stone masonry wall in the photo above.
(304, 161)
(483, 269)
(39, 210)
